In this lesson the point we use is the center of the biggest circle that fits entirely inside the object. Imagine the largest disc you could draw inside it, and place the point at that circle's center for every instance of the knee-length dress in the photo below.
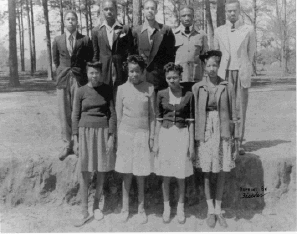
(93, 119)
(214, 149)
(175, 113)
(136, 118)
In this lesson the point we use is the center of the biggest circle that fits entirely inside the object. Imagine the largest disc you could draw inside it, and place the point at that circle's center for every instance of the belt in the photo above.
(211, 108)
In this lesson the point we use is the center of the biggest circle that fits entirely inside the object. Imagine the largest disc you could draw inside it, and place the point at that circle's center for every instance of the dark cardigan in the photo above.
(226, 110)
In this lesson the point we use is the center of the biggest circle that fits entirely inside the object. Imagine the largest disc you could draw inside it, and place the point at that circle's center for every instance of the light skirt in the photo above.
(133, 153)
(215, 153)
(92, 150)
(172, 159)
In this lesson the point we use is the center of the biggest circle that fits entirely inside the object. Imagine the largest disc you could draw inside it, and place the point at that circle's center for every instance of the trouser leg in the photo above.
(243, 110)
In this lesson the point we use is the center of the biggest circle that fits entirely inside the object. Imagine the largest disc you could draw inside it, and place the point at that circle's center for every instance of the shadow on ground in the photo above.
(257, 145)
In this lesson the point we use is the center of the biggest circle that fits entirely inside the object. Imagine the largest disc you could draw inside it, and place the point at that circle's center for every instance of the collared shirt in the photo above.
(188, 48)
(110, 31)
(183, 30)
(232, 36)
(68, 34)
(150, 30)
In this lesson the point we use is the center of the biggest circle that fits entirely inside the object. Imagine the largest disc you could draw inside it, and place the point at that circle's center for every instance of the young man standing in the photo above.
(155, 43)
(237, 41)
(71, 52)
(112, 43)
(190, 42)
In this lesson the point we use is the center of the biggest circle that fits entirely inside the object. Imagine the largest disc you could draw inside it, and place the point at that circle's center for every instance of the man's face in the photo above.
(70, 22)
(186, 17)
(232, 12)
(150, 10)
(109, 11)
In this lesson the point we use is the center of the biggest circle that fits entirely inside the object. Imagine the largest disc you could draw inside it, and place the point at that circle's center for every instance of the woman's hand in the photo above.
(191, 154)
(75, 145)
(110, 145)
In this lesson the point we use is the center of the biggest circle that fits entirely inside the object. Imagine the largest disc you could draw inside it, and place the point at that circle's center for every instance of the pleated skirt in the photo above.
(172, 159)
(133, 153)
(92, 150)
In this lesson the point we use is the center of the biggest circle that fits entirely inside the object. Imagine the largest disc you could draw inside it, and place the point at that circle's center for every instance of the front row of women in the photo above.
(188, 128)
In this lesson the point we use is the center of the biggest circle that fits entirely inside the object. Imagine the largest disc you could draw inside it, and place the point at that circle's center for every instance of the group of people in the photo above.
(150, 99)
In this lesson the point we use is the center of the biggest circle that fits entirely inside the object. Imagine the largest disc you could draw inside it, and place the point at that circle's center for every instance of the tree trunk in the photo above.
(284, 39)
(137, 14)
(22, 42)
(33, 37)
(20, 37)
(221, 15)
(30, 38)
(163, 8)
(13, 59)
(90, 16)
(79, 11)
(74, 5)
(86, 17)
(209, 23)
(130, 21)
(124, 13)
(255, 29)
(203, 14)
(61, 17)
(48, 41)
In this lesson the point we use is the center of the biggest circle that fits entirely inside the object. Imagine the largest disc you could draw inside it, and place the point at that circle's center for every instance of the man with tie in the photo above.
(71, 52)
(112, 43)
(155, 43)
(237, 41)
(190, 42)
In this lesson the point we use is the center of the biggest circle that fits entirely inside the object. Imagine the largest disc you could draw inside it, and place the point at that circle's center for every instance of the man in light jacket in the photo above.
(237, 42)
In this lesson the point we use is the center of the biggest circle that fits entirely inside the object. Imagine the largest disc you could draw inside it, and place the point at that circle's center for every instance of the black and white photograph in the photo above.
(147, 116)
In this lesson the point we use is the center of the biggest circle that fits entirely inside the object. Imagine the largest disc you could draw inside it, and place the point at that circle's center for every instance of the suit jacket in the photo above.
(76, 63)
(122, 47)
(159, 54)
(225, 107)
(246, 47)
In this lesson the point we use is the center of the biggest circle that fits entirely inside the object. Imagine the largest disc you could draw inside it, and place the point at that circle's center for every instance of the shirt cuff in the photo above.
(190, 120)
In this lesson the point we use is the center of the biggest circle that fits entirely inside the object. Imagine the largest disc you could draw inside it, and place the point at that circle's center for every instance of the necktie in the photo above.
(71, 43)
(187, 30)
(233, 27)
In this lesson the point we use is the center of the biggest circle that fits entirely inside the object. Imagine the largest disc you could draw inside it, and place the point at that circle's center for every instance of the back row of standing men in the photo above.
(158, 44)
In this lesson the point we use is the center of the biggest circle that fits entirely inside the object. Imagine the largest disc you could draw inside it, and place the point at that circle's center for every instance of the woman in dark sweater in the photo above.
(93, 127)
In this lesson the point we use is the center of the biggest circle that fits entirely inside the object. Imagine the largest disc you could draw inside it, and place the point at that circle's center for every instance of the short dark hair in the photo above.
(173, 67)
(70, 12)
(216, 54)
(95, 64)
(114, 3)
(153, 1)
(187, 7)
(135, 59)
(233, 1)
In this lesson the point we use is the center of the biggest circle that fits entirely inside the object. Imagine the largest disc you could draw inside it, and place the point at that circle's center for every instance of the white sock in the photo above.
(180, 206)
(218, 207)
(210, 206)
(166, 206)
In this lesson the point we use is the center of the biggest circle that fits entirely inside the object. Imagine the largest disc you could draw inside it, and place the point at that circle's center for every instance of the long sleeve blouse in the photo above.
(94, 108)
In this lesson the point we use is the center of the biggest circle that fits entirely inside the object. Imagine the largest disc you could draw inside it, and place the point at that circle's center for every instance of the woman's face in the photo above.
(211, 67)
(94, 76)
(173, 79)
(135, 73)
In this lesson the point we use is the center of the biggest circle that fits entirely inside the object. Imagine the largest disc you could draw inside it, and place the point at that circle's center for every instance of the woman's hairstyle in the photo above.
(135, 59)
(70, 12)
(97, 65)
(216, 54)
(173, 67)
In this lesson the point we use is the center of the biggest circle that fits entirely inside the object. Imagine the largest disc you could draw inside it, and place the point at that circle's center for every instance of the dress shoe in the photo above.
(65, 153)
(211, 220)
(221, 220)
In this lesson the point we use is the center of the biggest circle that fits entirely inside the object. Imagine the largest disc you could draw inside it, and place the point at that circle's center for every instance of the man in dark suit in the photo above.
(112, 43)
(155, 42)
(71, 51)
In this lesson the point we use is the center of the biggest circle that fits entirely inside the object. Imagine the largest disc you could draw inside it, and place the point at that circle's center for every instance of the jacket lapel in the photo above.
(157, 39)
(221, 87)
(118, 30)
(143, 39)
(104, 36)
(78, 42)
